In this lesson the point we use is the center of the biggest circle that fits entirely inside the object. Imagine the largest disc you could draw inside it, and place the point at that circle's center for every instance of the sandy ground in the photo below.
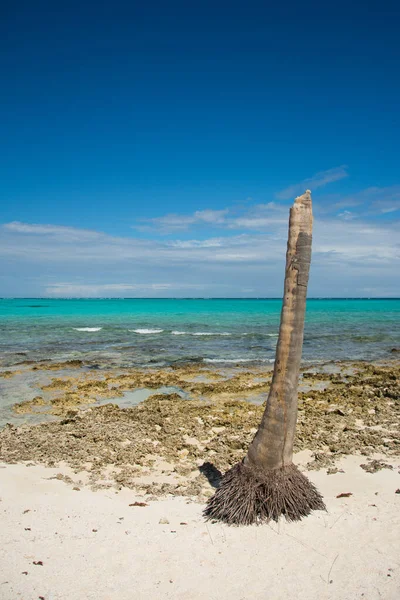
(93, 545)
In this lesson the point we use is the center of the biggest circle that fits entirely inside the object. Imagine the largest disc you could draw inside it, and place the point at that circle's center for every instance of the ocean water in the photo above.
(158, 332)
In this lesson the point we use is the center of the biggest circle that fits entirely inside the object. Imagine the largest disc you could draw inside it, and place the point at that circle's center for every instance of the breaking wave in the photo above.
(146, 331)
(200, 333)
(87, 328)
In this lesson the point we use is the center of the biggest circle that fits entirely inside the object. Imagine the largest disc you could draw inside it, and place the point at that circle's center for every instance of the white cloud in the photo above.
(348, 256)
(316, 181)
(348, 242)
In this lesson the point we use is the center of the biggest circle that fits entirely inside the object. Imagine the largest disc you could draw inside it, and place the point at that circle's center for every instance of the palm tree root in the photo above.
(247, 495)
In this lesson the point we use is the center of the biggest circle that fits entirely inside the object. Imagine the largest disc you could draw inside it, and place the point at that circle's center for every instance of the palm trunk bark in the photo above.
(273, 444)
(267, 484)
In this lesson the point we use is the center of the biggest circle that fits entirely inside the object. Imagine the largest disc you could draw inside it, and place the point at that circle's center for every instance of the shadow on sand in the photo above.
(213, 474)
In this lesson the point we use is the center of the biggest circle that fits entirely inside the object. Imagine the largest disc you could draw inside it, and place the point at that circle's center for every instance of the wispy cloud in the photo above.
(258, 218)
(368, 202)
(257, 223)
(385, 200)
(347, 215)
(175, 222)
(211, 216)
(316, 181)
(66, 233)
(210, 243)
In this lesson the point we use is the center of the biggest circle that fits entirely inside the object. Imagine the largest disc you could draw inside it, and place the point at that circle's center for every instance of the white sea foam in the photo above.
(146, 331)
(237, 360)
(199, 333)
(87, 328)
(210, 333)
(260, 333)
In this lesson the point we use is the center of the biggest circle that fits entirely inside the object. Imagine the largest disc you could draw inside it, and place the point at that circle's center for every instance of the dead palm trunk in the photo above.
(266, 484)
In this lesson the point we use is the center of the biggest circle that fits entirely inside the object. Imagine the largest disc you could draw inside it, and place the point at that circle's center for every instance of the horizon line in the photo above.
(195, 298)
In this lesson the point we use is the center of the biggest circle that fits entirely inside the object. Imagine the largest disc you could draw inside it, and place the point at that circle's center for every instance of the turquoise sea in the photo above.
(140, 332)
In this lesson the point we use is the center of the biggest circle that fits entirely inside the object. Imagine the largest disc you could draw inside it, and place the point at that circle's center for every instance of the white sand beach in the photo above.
(95, 546)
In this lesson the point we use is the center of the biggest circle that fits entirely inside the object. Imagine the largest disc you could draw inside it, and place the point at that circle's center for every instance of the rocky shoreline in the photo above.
(178, 443)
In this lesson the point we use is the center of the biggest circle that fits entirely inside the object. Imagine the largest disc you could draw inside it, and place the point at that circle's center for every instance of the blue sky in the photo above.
(154, 149)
